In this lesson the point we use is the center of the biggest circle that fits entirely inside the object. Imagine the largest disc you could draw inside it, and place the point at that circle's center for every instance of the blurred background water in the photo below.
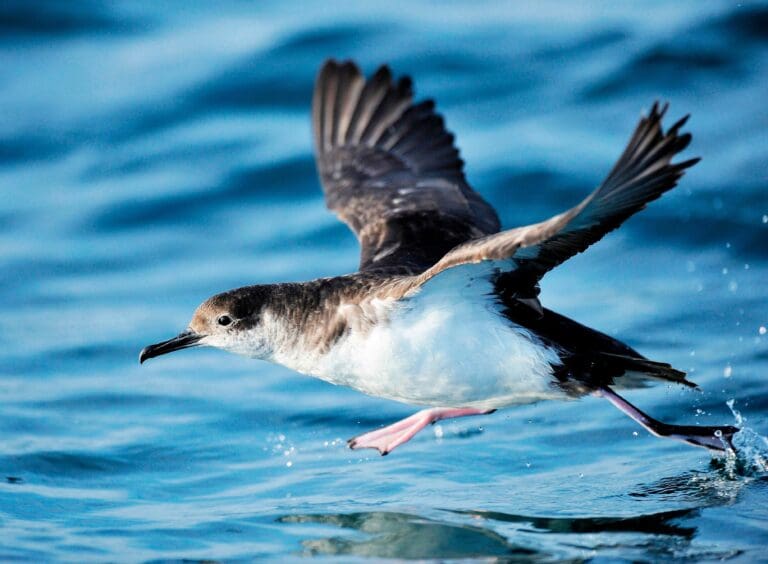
(152, 154)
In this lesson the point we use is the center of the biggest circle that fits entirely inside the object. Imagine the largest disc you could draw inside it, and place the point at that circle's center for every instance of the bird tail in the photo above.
(637, 371)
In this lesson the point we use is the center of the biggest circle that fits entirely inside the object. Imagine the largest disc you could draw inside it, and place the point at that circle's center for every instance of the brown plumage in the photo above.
(390, 171)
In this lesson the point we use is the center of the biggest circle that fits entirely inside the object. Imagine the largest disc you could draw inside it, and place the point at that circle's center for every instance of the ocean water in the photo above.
(152, 154)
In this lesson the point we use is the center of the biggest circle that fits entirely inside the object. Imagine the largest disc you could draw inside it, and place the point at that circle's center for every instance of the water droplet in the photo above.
(733, 285)
(725, 270)
(634, 433)
(765, 218)
(762, 330)
(728, 371)
(289, 464)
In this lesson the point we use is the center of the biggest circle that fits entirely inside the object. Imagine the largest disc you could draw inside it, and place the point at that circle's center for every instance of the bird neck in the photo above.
(305, 320)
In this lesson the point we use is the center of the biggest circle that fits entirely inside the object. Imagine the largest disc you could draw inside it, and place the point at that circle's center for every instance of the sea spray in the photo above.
(751, 456)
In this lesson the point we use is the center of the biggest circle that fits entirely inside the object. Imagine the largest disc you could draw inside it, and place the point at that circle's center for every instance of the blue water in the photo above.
(152, 155)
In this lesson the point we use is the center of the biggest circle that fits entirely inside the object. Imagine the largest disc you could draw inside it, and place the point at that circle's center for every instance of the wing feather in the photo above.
(642, 174)
(390, 170)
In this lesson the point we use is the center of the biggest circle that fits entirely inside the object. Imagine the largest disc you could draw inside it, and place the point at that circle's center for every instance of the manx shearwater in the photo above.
(444, 310)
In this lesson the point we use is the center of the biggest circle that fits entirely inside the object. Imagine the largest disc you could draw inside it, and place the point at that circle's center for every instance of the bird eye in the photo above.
(224, 320)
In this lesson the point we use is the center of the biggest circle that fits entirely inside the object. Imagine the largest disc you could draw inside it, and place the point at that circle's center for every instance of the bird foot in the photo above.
(718, 438)
(386, 439)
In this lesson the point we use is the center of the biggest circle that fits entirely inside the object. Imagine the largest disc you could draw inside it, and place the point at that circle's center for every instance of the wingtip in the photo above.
(689, 163)
(383, 73)
(405, 86)
(328, 65)
(657, 111)
(678, 124)
(332, 65)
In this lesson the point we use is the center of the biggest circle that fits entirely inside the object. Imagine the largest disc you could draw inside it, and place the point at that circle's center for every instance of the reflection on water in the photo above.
(652, 524)
(403, 535)
(400, 535)
(466, 533)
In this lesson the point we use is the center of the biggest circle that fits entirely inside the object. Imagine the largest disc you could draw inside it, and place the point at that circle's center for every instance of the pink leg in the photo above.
(387, 438)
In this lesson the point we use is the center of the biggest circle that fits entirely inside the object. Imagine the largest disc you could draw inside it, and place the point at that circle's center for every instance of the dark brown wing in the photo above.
(642, 174)
(390, 171)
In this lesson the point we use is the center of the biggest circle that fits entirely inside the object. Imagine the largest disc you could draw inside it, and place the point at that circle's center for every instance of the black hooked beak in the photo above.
(183, 340)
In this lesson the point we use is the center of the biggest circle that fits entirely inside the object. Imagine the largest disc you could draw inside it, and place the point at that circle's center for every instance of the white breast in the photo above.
(439, 348)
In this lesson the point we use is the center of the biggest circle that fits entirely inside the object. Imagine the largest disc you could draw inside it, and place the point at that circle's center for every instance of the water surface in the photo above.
(151, 156)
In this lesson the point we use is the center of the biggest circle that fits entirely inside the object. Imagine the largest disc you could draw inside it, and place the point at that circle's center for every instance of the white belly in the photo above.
(430, 352)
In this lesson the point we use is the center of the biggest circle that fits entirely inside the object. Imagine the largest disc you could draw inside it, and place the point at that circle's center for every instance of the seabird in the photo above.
(444, 310)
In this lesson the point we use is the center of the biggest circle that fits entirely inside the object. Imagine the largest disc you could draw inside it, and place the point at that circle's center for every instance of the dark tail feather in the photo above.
(649, 368)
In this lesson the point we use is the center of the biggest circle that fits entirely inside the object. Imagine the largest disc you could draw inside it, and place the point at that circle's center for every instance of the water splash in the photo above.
(751, 456)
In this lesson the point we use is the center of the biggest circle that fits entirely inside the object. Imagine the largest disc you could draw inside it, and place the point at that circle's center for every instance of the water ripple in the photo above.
(154, 154)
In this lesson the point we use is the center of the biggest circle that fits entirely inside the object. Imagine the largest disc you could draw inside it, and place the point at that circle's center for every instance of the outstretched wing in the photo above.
(642, 174)
(390, 171)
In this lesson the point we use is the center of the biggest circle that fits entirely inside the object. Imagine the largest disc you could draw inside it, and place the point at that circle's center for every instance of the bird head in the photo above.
(231, 321)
